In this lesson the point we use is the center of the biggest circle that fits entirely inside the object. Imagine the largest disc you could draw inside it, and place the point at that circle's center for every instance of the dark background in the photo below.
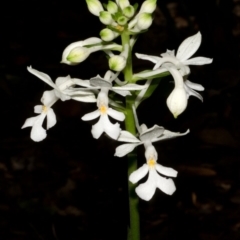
(62, 189)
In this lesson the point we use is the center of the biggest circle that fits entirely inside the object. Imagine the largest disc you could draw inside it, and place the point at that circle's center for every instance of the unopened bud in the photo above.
(94, 6)
(148, 6)
(144, 21)
(123, 3)
(105, 17)
(128, 11)
(122, 20)
(108, 35)
(78, 51)
(112, 7)
(117, 63)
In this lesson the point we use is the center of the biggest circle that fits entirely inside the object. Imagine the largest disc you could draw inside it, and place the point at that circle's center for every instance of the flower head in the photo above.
(178, 66)
(63, 87)
(146, 190)
(103, 111)
(146, 136)
(38, 133)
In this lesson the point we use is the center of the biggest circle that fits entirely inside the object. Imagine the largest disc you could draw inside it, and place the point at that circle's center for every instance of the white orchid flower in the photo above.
(154, 134)
(98, 83)
(63, 87)
(38, 133)
(178, 67)
(146, 190)
(104, 124)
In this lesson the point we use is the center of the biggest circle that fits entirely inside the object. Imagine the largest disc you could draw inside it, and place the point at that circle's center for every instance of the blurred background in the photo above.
(70, 186)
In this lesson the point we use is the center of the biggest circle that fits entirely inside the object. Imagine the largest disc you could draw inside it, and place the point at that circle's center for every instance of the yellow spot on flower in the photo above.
(151, 163)
(44, 108)
(119, 28)
(103, 109)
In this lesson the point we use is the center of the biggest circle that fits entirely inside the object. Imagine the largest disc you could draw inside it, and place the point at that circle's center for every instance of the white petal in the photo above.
(88, 98)
(153, 59)
(198, 61)
(51, 118)
(188, 47)
(151, 133)
(112, 130)
(122, 93)
(62, 95)
(91, 116)
(168, 134)
(38, 133)
(80, 82)
(38, 109)
(165, 185)
(138, 174)
(44, 77)
(126, 136)
(49, 98)
(191, 92)
(124, 149)
(169, 172)
(100, 82)
(194, 86)
(97, 129)
(130, 87)
(64, 82)
(146, 190)
(29, 122)
(115, 114)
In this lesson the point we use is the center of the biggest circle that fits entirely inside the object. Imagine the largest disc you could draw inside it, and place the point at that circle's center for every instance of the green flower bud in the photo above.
(117, 63)
(108, 35)
(105, 17)
(112, 7)
(144, 21)
(122, 20)
(123, 3)
(128, 11)
(94, 6)
(148, 6)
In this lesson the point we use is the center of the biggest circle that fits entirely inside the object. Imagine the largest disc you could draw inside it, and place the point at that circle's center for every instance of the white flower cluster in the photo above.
(122, 19)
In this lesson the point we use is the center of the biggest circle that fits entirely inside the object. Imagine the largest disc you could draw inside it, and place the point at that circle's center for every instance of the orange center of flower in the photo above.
(44, 108)
(103, 109)
(151, 163)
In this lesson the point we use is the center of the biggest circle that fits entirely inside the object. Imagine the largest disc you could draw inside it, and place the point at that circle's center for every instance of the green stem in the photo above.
(134, 230)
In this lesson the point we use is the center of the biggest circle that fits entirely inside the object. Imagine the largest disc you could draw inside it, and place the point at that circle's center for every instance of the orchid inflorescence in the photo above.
(121, 19)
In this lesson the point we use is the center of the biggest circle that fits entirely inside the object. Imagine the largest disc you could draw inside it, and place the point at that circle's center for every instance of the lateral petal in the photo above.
(115, 114)
(165, 185)
(29, 122)
(139, 174)
(97, 129)
(91, 115)
(198, 61)
(194, 86)
(150, 58)
(169, 172)
(112, 130)
(51, 118)
(146, 190)
(38, 133)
